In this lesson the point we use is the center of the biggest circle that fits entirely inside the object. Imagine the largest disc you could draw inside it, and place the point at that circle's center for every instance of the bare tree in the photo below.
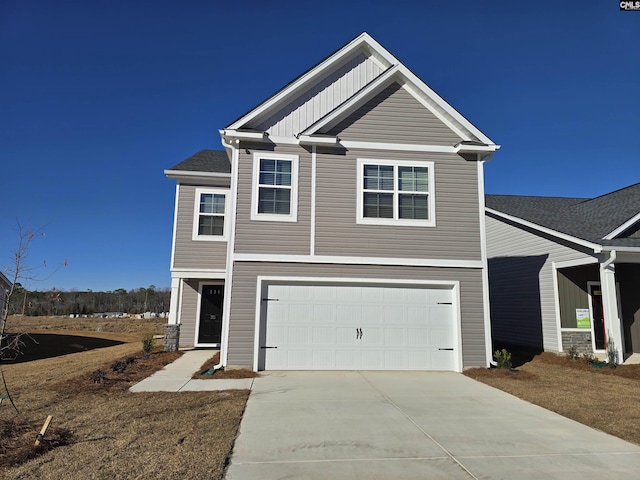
(18, 273)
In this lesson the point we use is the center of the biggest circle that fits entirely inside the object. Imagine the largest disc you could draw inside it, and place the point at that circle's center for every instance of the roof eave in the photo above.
(549, 231)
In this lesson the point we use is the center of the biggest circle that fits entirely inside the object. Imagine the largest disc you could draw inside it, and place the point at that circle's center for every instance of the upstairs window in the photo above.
(395, 193)
(275, 187)
(209, 221)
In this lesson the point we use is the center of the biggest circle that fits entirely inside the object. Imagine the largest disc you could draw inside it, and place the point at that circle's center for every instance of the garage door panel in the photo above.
(347, 327)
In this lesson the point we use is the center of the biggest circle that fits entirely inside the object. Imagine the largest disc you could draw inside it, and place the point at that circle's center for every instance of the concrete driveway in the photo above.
(413, 425)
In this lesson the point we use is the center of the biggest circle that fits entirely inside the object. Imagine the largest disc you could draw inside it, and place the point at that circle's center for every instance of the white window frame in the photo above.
(293, 207)
(196, 215)
(361, 219)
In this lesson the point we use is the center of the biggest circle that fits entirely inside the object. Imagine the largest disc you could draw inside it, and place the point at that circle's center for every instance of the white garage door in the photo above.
(359, 327)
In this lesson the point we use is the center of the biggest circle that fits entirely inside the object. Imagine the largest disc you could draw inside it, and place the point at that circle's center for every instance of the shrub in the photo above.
(503, 358)
(98, 376)
(120, 366)
(147, 345)
(573, 353)
(589, 358)
(612, 355)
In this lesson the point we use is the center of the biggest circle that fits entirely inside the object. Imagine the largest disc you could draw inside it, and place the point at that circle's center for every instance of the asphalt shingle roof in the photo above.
(213, 161)
(587, 218)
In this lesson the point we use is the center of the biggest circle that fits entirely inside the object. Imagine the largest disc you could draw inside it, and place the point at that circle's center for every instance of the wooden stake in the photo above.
(43, 430)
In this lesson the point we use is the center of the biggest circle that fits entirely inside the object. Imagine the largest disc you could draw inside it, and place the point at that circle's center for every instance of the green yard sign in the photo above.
(583, 318)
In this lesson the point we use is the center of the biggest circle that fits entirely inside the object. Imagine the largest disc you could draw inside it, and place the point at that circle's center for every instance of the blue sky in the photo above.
(98, 98)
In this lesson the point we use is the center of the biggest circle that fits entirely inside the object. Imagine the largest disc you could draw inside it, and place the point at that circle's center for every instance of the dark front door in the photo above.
(598, 316)
(210, 330)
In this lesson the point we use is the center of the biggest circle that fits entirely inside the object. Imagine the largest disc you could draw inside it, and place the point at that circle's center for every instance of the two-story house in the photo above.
(341, 228)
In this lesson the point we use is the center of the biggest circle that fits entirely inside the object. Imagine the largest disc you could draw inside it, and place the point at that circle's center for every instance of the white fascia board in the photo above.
(315, 140)
(220, 180)
(439, 101)
(461, 148)
(357, 100)
(406, 147)
(198, 273)
(578, 241)
(628, 224)
(344, 260)
(361, 40)
(610, 248)
(240, 135)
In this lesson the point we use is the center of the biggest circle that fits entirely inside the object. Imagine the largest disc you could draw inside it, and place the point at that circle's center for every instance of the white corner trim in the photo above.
(556, 304)
(485, 267)
(595, 247)
(626, 225)
(312, 234)
(175, 224)
(346, 260)
(293, 206)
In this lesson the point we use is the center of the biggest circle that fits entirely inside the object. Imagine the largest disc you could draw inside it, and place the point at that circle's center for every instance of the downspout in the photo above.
(224, 339)
(612, 258)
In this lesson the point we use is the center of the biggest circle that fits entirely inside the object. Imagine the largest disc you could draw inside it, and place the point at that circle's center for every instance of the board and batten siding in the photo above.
(395, 116)
(273, 237)
(455, 236)
(189, 253)
(523, 307)
(322, 97)
(243, 307)
(189, 312)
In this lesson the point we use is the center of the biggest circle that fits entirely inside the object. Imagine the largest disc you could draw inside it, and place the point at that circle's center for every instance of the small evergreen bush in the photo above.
(503, 358)
(147, 345)
(589, 358)
(573, 353)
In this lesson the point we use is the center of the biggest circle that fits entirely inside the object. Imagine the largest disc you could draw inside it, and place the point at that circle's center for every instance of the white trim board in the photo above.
(415, 262)
(622, 228)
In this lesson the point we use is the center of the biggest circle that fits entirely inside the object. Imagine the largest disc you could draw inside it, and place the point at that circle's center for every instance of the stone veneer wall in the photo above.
(171, 338)
(581, 340)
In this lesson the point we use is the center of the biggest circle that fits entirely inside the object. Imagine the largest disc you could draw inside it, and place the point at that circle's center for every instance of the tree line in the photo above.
(73, 302)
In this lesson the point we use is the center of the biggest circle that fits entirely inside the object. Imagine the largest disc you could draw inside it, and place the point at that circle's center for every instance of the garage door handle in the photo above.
(358, 333)
(448, 349)
(267, 347)
(445, 303)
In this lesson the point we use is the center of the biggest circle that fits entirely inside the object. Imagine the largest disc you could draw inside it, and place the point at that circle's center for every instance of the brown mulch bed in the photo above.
(222, 373)
(17, 441)
(607, 399)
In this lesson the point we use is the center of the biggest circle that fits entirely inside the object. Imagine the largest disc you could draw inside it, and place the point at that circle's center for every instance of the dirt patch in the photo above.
(17, 441)
(221, 373)
(603, 398)
(111, 432)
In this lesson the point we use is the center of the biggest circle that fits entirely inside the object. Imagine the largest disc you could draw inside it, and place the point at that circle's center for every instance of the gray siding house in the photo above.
(341, 228)
(566, 271)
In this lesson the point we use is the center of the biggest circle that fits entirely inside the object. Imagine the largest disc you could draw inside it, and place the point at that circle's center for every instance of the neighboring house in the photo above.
(341, 228)
(5, 285)
(566, 271)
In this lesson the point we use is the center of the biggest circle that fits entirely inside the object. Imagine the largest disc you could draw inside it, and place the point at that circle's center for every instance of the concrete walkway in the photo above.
(413, 425)
(176, 377)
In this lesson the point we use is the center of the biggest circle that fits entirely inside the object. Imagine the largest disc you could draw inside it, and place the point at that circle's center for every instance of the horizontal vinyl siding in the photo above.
(257, 236)
(395, 116)
(243, 308)
(521, 283)
(455, 236)
(189, 253)
(322, 97)
(188, 313)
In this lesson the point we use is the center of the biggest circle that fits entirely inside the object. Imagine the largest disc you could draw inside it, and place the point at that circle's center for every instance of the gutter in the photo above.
(612, 258)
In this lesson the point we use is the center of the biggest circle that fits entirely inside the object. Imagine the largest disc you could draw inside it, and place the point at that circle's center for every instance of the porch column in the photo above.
(612, 321)
(175, 300)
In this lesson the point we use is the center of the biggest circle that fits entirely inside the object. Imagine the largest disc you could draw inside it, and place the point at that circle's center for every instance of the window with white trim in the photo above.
(209, 222)
(275, 187)
(395, 192)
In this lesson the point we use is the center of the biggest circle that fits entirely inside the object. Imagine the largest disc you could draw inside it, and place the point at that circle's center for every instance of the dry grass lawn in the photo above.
(606, 399)
(118, 434)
